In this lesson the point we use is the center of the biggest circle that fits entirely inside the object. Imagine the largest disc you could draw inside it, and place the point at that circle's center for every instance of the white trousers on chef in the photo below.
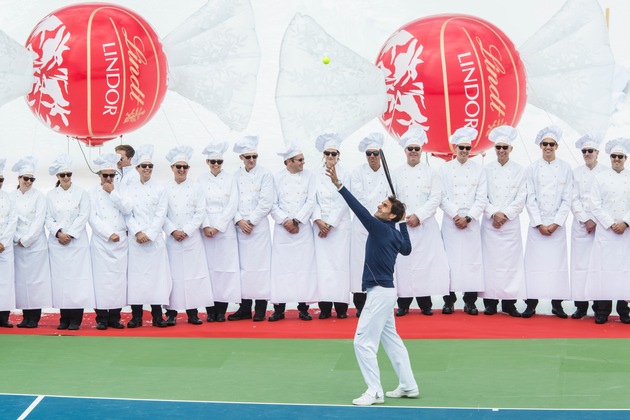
(376, 324)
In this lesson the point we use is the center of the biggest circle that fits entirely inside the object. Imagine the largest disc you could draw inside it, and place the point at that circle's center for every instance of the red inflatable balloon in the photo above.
(99, 71)
(449, 71)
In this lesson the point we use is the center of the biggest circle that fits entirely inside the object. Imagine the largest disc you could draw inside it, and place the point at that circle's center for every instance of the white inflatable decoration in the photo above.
(570, 67)
(324, 86)
(213, 59)
(16, 69)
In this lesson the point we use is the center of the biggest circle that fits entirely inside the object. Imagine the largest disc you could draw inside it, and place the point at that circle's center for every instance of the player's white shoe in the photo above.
(400, 393)
(367, 399)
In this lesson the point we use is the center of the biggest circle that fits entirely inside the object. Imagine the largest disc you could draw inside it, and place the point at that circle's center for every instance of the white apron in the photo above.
(546, 268)
(463, 249)
(191, 284)
(292, 264)
(254, 252)
(149, 275)
(332, 256)
(33, 289)
(425, 272)
(581, 246)
(357, 255)
(502, 250)
(609, 267)
(7, 278)
(109, 269)
(223, 265)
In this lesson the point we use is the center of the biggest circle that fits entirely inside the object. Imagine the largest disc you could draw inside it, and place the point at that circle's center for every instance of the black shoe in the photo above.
(601, 319)
(171, 320)
(101, 326)
(23, 324)
(578, 314)
(322, 315)
(528, 312)
(358, 313)
(220, 317)
(194, 319)
(559, 312)
(6, 324)
(512, 312)
(402, 311)
(239, 315)
(470, 310)
(625, 319)
(260, 316)
(426, 311)
(342, 315)
(305, 316)
(134, 323)
(116, 325)
(158, 321)
(62, 326)
(447, 309)
(73, 326)
(212, 317)
(490, 310)
(276, 316)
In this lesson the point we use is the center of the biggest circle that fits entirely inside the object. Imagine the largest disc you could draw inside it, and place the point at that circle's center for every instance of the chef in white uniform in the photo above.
(583, 226)
(608, 276)
(8, 223)
(68, 246)
(219, 231)
(109, 245)
(549, 195)
(33, 290)
(255, 199)
(464, 198)
(501, 240)
(333, 232)
(293, 273)
(127, 174)
(148, 275)
(186, 254)
(425, 271)
(368, 185)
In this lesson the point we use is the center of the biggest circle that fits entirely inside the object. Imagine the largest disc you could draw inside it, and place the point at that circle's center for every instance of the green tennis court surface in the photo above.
(549, 373)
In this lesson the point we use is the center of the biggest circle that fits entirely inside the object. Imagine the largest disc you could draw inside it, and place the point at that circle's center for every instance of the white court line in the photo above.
(31, 407)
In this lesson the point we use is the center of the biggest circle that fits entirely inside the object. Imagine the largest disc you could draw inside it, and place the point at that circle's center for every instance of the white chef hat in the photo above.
(503, 134)
(372, 141)
(3, 163)
(618, 145)
(328, 141)
(551, 132)
(26, 165)
(144, 153)
(248, 144)
(107, 162)
(62, 163)
(181, 153)
(463, 135)
(289, 151)
(588, 141)
(415, 135)
(215, 150)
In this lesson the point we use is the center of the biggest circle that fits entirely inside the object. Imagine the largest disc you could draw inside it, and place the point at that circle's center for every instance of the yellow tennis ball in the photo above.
(326, 60)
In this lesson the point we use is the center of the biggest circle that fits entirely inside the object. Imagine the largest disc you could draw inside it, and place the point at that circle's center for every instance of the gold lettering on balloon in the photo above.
(492, 63)
(135, 54)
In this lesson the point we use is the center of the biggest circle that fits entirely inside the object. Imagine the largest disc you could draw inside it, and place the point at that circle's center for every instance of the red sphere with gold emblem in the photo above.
(99, 71)
(449, 71)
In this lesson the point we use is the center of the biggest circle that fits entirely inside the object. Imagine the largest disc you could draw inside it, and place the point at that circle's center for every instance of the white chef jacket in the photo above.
(71, 264)
(109, 259)
(255, 198)
(465, 194)
(502, 248)
(549, 195)
(425, 271)
(8, 224)
(293, 273)
(221, 202)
